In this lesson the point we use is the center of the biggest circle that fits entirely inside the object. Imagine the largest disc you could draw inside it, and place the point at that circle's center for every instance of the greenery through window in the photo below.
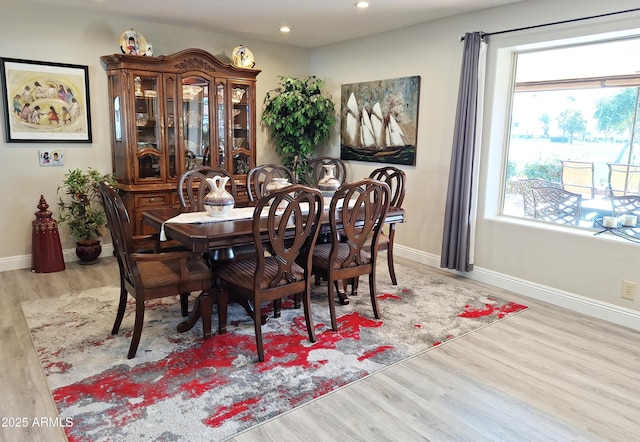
(574, 128)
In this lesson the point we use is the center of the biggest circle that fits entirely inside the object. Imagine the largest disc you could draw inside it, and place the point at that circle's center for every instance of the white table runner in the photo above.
(237, 213)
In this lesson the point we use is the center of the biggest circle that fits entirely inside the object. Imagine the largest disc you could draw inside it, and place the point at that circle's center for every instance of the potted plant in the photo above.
(81, 209)
(300, 118)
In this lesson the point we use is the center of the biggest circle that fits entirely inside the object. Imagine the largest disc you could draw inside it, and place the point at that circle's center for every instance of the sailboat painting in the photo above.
(379, 120)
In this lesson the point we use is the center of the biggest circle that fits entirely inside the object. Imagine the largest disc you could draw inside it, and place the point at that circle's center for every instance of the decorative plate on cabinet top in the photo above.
(132, 42)
(242, 57)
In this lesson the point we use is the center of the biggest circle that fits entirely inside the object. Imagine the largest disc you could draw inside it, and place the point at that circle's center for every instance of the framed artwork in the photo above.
(379, 120)
(54, 157)
(45, 102)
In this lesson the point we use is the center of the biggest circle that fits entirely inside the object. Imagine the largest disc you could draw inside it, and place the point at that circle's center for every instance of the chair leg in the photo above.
(184, 304)
(277, 308)
(332, 308)
(222, 298)
(258, 329)
(137, 328)
(372, 292)
(392, 269)
(122, 305)
(206, 305)
(355, 282)
(306, 301)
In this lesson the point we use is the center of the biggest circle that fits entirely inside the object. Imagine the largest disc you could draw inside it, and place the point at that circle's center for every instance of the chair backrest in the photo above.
(526, 185)
(315, 171)
(292, 224)
(624, 179)
(120, 227)
(577, 177)
(625, 205)
(259, 177)
(193, 186)
(357, 210)
(556, 205)
(395, 179)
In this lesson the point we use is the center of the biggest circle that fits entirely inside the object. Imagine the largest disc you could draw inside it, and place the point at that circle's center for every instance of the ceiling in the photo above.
(313, 23)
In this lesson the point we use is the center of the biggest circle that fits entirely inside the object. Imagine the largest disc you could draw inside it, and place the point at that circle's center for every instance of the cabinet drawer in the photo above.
(152, 200)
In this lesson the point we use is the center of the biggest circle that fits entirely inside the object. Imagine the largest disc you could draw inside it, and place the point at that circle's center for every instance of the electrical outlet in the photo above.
(628, 290)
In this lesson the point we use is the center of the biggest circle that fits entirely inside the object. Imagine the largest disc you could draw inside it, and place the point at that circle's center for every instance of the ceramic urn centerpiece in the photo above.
(277, 183)
(218, 202)
(328, 184)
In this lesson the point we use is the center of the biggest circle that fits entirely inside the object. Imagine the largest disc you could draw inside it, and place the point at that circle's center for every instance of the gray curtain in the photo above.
(459, 221)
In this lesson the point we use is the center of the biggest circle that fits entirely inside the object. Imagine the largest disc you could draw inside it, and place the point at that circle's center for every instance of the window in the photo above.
(574, 129)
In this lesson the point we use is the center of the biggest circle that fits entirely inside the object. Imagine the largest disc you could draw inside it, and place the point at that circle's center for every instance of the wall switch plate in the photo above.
(628, 290)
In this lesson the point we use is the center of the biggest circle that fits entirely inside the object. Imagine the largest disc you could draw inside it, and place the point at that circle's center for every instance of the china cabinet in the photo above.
(172, 113)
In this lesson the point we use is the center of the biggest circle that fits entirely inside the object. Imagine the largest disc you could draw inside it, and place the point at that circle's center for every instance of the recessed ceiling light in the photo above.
(285, 29)
(362, 5)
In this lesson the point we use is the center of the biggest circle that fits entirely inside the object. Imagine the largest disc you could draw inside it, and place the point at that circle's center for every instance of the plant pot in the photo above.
(88, 251)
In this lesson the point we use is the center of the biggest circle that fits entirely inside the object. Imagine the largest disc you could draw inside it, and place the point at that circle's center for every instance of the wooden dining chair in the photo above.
(147, 276)
(396, 180)
(315, 171)
(289, 235)
(193, 186)
(357, 210)
(259, 177)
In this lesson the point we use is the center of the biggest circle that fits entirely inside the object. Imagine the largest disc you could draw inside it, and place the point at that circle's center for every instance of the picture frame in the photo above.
(379, 121)
(53, 157)
(45, 102)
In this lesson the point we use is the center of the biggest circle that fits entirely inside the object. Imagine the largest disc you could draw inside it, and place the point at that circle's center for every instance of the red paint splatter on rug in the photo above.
(500, 311)
(389, 296)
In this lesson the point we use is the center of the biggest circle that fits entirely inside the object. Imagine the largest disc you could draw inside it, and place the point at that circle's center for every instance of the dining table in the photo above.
(205, 234)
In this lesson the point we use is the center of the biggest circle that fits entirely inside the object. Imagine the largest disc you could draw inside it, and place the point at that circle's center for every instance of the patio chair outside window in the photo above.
(527, 196)
(577, 177)
(624, 179)
(626, 205)
(556, 205)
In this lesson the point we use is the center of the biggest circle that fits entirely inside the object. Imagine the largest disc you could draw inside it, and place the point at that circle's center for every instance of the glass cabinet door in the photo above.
(118, 126)
(221, 135)
(149, 154)
(241, 128)
(169, 127)
(195, 121)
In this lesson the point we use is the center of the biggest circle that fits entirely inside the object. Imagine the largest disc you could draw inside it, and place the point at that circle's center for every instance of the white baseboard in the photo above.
(24, 261)
(592, 307)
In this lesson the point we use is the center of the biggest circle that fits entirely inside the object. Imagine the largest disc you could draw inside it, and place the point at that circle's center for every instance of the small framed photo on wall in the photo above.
(53, 157)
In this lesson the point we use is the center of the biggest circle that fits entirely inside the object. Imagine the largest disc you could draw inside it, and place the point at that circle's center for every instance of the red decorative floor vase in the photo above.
(46, 251)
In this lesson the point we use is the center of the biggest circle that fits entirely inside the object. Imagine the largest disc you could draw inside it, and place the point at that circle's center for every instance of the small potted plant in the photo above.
(81, 210)
(300, 118)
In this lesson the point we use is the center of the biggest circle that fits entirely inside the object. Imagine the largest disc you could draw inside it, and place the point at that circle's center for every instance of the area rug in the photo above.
(180, 387)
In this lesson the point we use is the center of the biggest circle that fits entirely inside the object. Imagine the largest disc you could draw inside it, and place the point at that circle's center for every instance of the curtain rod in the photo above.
(591, 17)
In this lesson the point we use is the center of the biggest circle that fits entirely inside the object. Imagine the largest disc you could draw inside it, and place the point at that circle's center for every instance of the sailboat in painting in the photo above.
(371, 130)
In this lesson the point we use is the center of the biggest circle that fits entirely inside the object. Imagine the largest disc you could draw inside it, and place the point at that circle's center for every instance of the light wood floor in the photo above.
(546, 374)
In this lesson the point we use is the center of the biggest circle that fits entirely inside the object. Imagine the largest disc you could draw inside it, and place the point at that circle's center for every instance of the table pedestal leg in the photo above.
(195, 314)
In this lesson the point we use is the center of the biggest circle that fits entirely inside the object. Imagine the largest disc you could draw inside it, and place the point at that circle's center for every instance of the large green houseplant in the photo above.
(80, 206)
(300, 118)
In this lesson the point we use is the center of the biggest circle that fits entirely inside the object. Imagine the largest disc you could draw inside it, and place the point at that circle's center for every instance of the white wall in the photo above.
(565, 266)
(64, 36)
